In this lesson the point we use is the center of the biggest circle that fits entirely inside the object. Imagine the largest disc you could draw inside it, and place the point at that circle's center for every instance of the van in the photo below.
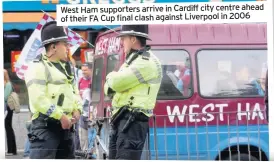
(210, 105)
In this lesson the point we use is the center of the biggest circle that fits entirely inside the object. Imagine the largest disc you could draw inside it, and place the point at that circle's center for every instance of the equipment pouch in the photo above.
(32, 137)
(37, 135)
(117, 117)
(130, 120)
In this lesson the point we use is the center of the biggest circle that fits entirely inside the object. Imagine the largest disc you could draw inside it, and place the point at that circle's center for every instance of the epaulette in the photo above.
(36, 61)
(38, 58)
(134, 56)
(145, 55)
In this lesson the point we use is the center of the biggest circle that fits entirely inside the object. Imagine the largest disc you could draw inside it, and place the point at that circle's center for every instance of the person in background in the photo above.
(91, 140)
(27, 143)
(266, 95)
(263, 75)
(246, 82)
(10, 136)
(184, 77)
(84, 85)
(77, 76)
(86, 97)
(91, 124)
(259, 82)
(77, 71)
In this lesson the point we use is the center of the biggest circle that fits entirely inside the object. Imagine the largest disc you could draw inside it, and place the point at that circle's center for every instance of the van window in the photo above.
(112, 62)
(232, 73)
(177, 75)
(97, 79)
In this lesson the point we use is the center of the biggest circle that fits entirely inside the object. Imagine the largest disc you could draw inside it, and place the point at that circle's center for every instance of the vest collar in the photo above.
(140, 51)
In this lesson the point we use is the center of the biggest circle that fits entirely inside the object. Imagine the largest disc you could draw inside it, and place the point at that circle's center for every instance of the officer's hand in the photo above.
(73, 121)
(65, 122)
(76, 115)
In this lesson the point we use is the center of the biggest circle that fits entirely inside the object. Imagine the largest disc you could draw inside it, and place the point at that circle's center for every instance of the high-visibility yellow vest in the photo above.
(136, 85)
(45, 83)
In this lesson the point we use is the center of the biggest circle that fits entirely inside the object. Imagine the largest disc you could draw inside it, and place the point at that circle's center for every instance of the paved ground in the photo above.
(18, 156)
(20, 131)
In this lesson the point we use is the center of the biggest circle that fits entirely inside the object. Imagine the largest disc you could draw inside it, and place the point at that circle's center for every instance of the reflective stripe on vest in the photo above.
(36, 81)
(138, 75)
(141, 79)
(145, 111)
(49, 77)
(48, 80)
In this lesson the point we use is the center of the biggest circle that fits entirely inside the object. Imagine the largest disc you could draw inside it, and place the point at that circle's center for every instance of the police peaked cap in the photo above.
(134, 30)
(52, 33)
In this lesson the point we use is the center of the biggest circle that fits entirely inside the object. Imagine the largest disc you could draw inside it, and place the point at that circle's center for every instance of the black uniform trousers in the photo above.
(128, 145)
(11, 142)
(49, 141)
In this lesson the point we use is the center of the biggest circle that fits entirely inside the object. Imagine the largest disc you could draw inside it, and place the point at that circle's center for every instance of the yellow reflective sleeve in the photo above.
(122, 80)
(35, 80)
(144, 70)
(137, 73)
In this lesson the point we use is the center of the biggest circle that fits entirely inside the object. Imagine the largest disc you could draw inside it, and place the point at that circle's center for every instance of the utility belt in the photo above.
(49, 123)
(145, 111)
(129, 114)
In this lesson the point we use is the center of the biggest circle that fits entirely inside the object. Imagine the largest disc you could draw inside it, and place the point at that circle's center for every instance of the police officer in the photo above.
(54, 98)
(133, 90)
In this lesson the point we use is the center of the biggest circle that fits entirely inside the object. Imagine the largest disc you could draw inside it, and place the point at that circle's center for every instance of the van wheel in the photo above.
(243, 157)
